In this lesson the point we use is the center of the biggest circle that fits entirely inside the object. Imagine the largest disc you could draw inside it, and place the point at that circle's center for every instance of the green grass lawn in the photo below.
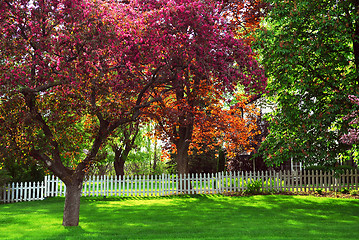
(186, 217)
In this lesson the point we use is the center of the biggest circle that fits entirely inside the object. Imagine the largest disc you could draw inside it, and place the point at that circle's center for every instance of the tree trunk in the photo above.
(72, 204)
(120, 159)
(122, 152)
(182, 162)
(119, 165)
(155, 158)
(182, 157)
(221, 161)
(182, 144)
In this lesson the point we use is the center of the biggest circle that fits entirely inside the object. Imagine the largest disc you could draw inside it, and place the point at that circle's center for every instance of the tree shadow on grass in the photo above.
(194, 217)
(208, 216)
(70, 233)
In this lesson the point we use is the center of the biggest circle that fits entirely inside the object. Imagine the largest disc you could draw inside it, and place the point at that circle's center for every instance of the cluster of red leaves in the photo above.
(245, 16)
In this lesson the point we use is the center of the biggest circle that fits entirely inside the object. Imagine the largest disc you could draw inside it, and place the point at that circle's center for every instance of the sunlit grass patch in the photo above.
(186, 217)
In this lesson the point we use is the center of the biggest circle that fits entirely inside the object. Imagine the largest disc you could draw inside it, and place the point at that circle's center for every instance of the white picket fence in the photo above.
(163, 185)
(28, 191)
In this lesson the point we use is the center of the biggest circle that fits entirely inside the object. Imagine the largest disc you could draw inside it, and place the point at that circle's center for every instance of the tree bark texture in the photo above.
(72, 204)
(154, 166)
(119, 164)
(182, 145)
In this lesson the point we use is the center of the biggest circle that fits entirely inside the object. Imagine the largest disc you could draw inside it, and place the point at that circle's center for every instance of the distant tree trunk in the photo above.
(221, 161)
(121, 153)
(72, 204)
(155, 157)
(119, 162)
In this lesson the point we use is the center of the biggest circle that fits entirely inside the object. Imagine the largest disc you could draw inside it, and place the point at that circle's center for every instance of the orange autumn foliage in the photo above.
(231, 128)
(245, 16)
(215, 122)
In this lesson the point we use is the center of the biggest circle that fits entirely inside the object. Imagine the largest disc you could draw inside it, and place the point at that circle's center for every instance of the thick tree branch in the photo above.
(55, 164)
(145, 88)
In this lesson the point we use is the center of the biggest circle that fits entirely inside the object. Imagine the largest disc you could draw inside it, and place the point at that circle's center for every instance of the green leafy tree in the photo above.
(135, 149)
(310, 50)
(122, 145)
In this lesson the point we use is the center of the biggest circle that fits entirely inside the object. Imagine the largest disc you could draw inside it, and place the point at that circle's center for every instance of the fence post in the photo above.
(42, 190)
(32, 191)
(2, 193)
(164, 181)
(12, 191)
(191, 182)
(147, 183)
(135, 186)
(157, 183)
(213, 182)
(45, 185)
(168, 187)
(171, 187)
(219, 182)
(325, 180)
(27, 193)
(141, 185)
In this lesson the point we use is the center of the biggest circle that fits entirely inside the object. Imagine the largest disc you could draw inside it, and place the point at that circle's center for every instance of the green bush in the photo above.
(254, 186)
(319, 191)
(4, 177)
(344, 191)
(354, 192)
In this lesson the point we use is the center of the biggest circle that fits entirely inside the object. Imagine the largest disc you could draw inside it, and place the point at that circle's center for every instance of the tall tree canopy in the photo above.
(310, 50)
(195, 55)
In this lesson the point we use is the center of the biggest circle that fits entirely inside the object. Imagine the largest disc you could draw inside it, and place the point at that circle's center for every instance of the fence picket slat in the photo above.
(172, 184)
(157, 190)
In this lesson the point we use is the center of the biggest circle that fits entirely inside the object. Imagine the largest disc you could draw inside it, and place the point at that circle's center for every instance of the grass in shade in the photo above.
(186, 217)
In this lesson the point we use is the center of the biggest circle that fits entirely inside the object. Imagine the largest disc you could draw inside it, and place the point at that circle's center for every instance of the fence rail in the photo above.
(163, 185)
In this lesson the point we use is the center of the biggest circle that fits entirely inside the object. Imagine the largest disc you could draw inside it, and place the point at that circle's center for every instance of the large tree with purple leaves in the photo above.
(64, 61)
